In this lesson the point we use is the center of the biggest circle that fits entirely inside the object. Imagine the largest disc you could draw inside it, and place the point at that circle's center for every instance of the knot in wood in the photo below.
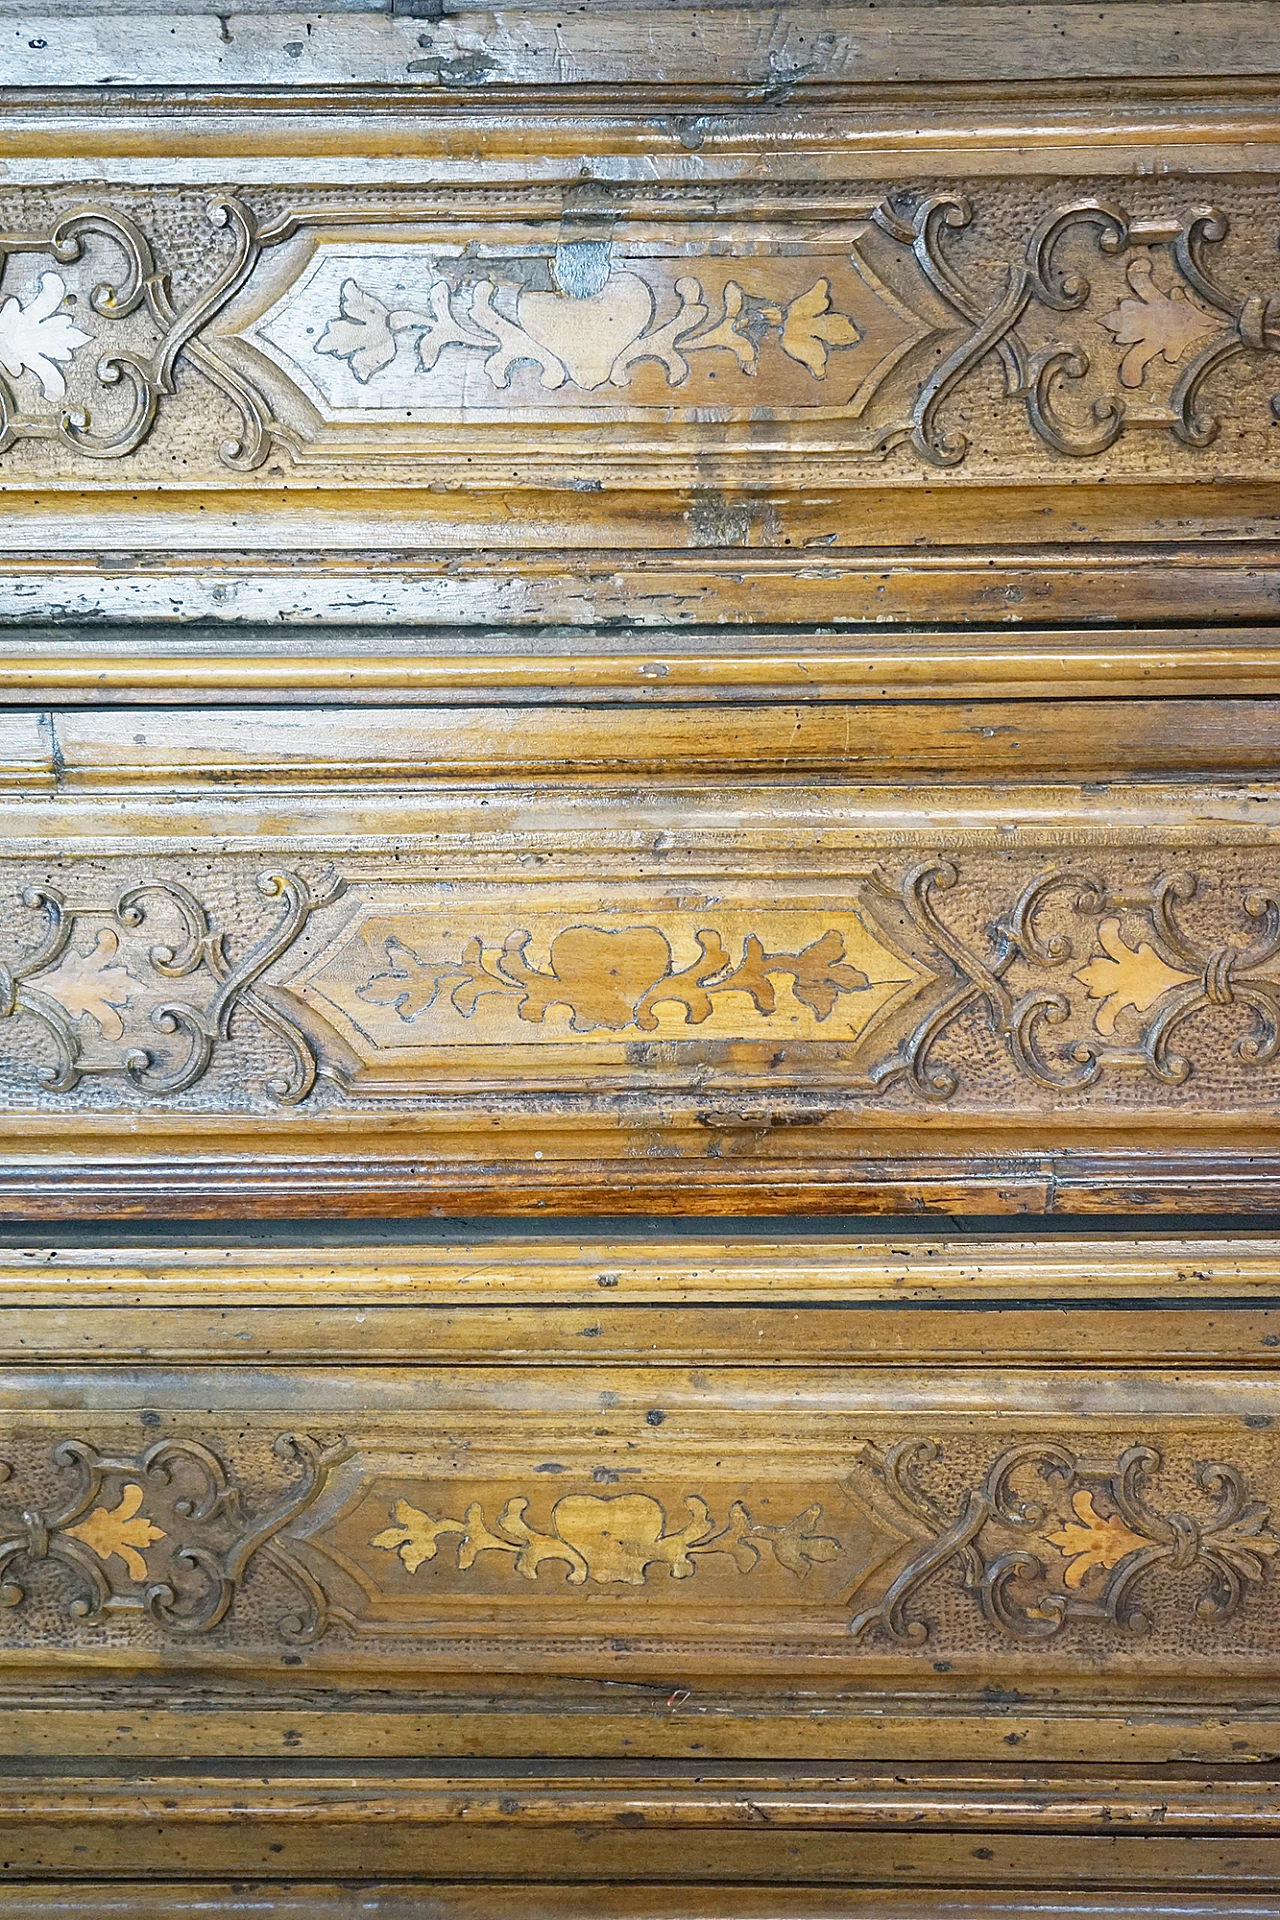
(1218, 975)
(1259, 323)
(1184, 1541)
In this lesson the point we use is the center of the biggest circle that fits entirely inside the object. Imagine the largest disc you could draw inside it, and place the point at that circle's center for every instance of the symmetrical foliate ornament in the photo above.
(343, 334)
(1048, 1537)
(910, 982)
(165, 1532)
(83, 996)
(611, 1538)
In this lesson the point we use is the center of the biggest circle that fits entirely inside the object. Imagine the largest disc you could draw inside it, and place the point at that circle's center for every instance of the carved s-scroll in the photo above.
(186, 1572)
(1032, 1569)
(58, 985)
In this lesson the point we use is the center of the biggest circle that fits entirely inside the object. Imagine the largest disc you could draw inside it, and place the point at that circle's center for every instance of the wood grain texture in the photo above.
(323, 959)
(449, 1500)
(972, 740)
(239, 665)
(607, 343)
(690, 47)
(1231, 1871)
(109, 1900)
(641, 607)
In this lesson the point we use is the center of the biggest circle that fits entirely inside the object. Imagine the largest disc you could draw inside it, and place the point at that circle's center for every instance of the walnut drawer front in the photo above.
(988, 955)
(702, 1496)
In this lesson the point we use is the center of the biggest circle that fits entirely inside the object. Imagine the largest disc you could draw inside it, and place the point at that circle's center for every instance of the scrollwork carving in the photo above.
(184, 1573)
(883, 331)
(1032, 1569)
(150, 377)
(1159, 976)
(60, 986)
(1228, 324)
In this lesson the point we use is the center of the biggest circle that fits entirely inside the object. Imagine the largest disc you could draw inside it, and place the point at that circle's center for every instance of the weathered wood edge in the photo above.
(606, 1901)
(876, 123)
(310, 665)
(500, 1271)
(820, 1302)
(1012, 1798)
(190, 1185)
(807, 45)
(415, 747)
(146, 1722)
(102, 1900)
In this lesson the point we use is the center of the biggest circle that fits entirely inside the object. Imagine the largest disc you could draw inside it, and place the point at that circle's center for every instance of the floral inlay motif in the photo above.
(122, 1531)
(1156, 324)
(35, 336)
(615, 1538)
(93, 983)
(1092, 1540)
(1126, 977)
(615, 978)
(592, 331)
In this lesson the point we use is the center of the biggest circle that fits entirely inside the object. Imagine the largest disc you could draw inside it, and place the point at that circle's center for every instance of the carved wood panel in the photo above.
(830, 334)
(868, 1513)
(642, 608)
(598, 980)
(615, 1520)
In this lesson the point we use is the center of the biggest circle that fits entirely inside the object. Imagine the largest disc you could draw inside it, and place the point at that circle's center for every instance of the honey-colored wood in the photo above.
(449, 958)
(509, 1609)
(832, 123)
(240, 666)
(612, 1899)
(639, 608)
(397, 1487)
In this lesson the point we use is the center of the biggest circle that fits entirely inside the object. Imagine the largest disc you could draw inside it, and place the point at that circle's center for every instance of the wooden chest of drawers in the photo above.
(624, 616)
(933, 1566)
(568, 652)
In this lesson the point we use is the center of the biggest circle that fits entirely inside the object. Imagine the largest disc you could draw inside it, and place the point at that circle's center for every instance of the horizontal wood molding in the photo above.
(1192, 1304)
(311, 665)
(354, 962)
(620, 46)
(710, 1500)
(664, 743)
(822, 1846)
(674, 1900)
